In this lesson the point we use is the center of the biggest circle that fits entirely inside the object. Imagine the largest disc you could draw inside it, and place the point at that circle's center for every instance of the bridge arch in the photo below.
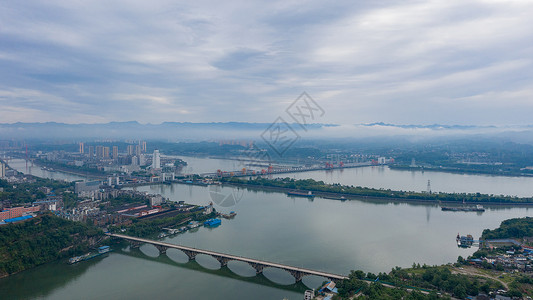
(177, 255)
(241, 268)
(208, 261)
(279, 276)
(149, 250)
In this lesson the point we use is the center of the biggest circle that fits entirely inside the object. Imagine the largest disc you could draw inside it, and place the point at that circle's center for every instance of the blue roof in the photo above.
(13, 220)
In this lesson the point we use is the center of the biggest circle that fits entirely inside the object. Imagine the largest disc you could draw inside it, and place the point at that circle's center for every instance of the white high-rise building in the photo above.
(142, 160)
(2, 170)
(156, 160)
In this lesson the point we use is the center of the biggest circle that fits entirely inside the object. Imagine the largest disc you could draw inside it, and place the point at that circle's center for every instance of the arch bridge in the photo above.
(258, 265)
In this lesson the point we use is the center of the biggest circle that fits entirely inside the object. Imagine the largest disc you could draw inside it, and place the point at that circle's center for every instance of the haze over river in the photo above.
(321, 234)
(375, 177)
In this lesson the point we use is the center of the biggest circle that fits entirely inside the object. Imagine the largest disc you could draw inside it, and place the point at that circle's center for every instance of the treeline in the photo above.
(320, 186)
(40, 240)
(432, 280)
(512, 228)
(28, 192)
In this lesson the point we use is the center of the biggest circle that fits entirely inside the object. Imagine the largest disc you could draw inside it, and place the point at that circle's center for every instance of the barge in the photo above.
(301, 194)
(477, 208)
(101, 251)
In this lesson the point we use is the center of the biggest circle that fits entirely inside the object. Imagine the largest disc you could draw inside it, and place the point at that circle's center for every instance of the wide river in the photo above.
(321, 234)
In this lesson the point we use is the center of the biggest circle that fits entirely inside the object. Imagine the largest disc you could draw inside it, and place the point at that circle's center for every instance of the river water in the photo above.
(321, 234)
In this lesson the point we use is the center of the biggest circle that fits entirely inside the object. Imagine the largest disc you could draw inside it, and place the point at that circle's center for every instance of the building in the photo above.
(15, 212)
(100, 151)
(91, 151)
(106, 152)
(208, 209)
(131, 150)
(134, 161)
(81, 148)
(115, 152)
(156, 160)
(2, 170)
(168, 176)
(87, 186)
(52, 203)
(143, 146)
(113, 180)
(137, 150)
(156, 200)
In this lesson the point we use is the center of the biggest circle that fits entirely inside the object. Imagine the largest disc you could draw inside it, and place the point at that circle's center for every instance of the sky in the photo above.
(402, 62)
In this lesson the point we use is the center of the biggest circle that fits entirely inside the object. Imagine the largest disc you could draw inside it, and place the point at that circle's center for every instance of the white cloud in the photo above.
(392, 61)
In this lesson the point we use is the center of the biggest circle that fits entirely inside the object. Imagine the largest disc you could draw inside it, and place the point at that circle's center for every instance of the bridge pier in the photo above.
(162, 249)
(258, 268)
(297, 275)
(190, 254)
(336, 280)
(222, 260)
(135, 244)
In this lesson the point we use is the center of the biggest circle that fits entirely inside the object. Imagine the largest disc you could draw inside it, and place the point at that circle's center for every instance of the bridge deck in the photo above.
(231, 257)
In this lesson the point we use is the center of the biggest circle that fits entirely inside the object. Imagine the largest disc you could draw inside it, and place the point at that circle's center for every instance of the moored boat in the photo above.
(477, 208)
(301, 194)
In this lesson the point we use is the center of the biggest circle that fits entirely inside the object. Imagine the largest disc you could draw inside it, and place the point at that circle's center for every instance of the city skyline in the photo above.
(409, 62)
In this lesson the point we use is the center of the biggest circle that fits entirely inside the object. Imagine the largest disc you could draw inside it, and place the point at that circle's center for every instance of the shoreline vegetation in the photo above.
(73, 170)
(41, 240)
(457, 170)
(319, 188)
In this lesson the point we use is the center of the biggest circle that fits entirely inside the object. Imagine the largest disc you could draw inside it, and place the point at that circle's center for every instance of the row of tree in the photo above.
(27, 192)
(512, 228)
(436, 280)
(320, 186)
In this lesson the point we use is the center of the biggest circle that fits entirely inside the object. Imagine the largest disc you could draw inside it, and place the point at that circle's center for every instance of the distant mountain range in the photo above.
(173, 131)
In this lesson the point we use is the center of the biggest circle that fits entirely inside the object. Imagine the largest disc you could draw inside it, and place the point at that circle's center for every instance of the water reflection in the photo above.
(44, 280)
(220, 271)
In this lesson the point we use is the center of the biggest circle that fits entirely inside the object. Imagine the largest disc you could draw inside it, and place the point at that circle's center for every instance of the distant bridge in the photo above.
(284, 170)
(258, 265)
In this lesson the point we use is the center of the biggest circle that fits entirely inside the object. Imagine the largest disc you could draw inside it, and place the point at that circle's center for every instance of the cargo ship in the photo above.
(342, 198)
(301, 194)
(477, 208)
(464, 241)
(101, 251)
(231, 215)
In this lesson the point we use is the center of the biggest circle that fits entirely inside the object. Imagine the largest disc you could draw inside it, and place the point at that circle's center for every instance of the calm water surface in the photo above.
(321, 234)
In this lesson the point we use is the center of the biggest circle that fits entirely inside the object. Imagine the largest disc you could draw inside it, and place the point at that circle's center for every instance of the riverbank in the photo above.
(352, 193)
(92, 174)
(458, 171)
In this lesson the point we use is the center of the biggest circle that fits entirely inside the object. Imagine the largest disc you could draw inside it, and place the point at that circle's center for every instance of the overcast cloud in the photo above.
(403, 62)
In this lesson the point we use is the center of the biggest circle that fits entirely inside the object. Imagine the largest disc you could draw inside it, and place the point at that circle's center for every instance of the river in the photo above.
(374, 177)
(321, 234)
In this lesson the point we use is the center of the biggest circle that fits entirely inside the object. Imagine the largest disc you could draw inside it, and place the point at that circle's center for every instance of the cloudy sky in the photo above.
(403, 62)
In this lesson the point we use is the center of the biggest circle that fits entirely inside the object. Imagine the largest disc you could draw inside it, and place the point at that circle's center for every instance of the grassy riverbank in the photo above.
(320, 188)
